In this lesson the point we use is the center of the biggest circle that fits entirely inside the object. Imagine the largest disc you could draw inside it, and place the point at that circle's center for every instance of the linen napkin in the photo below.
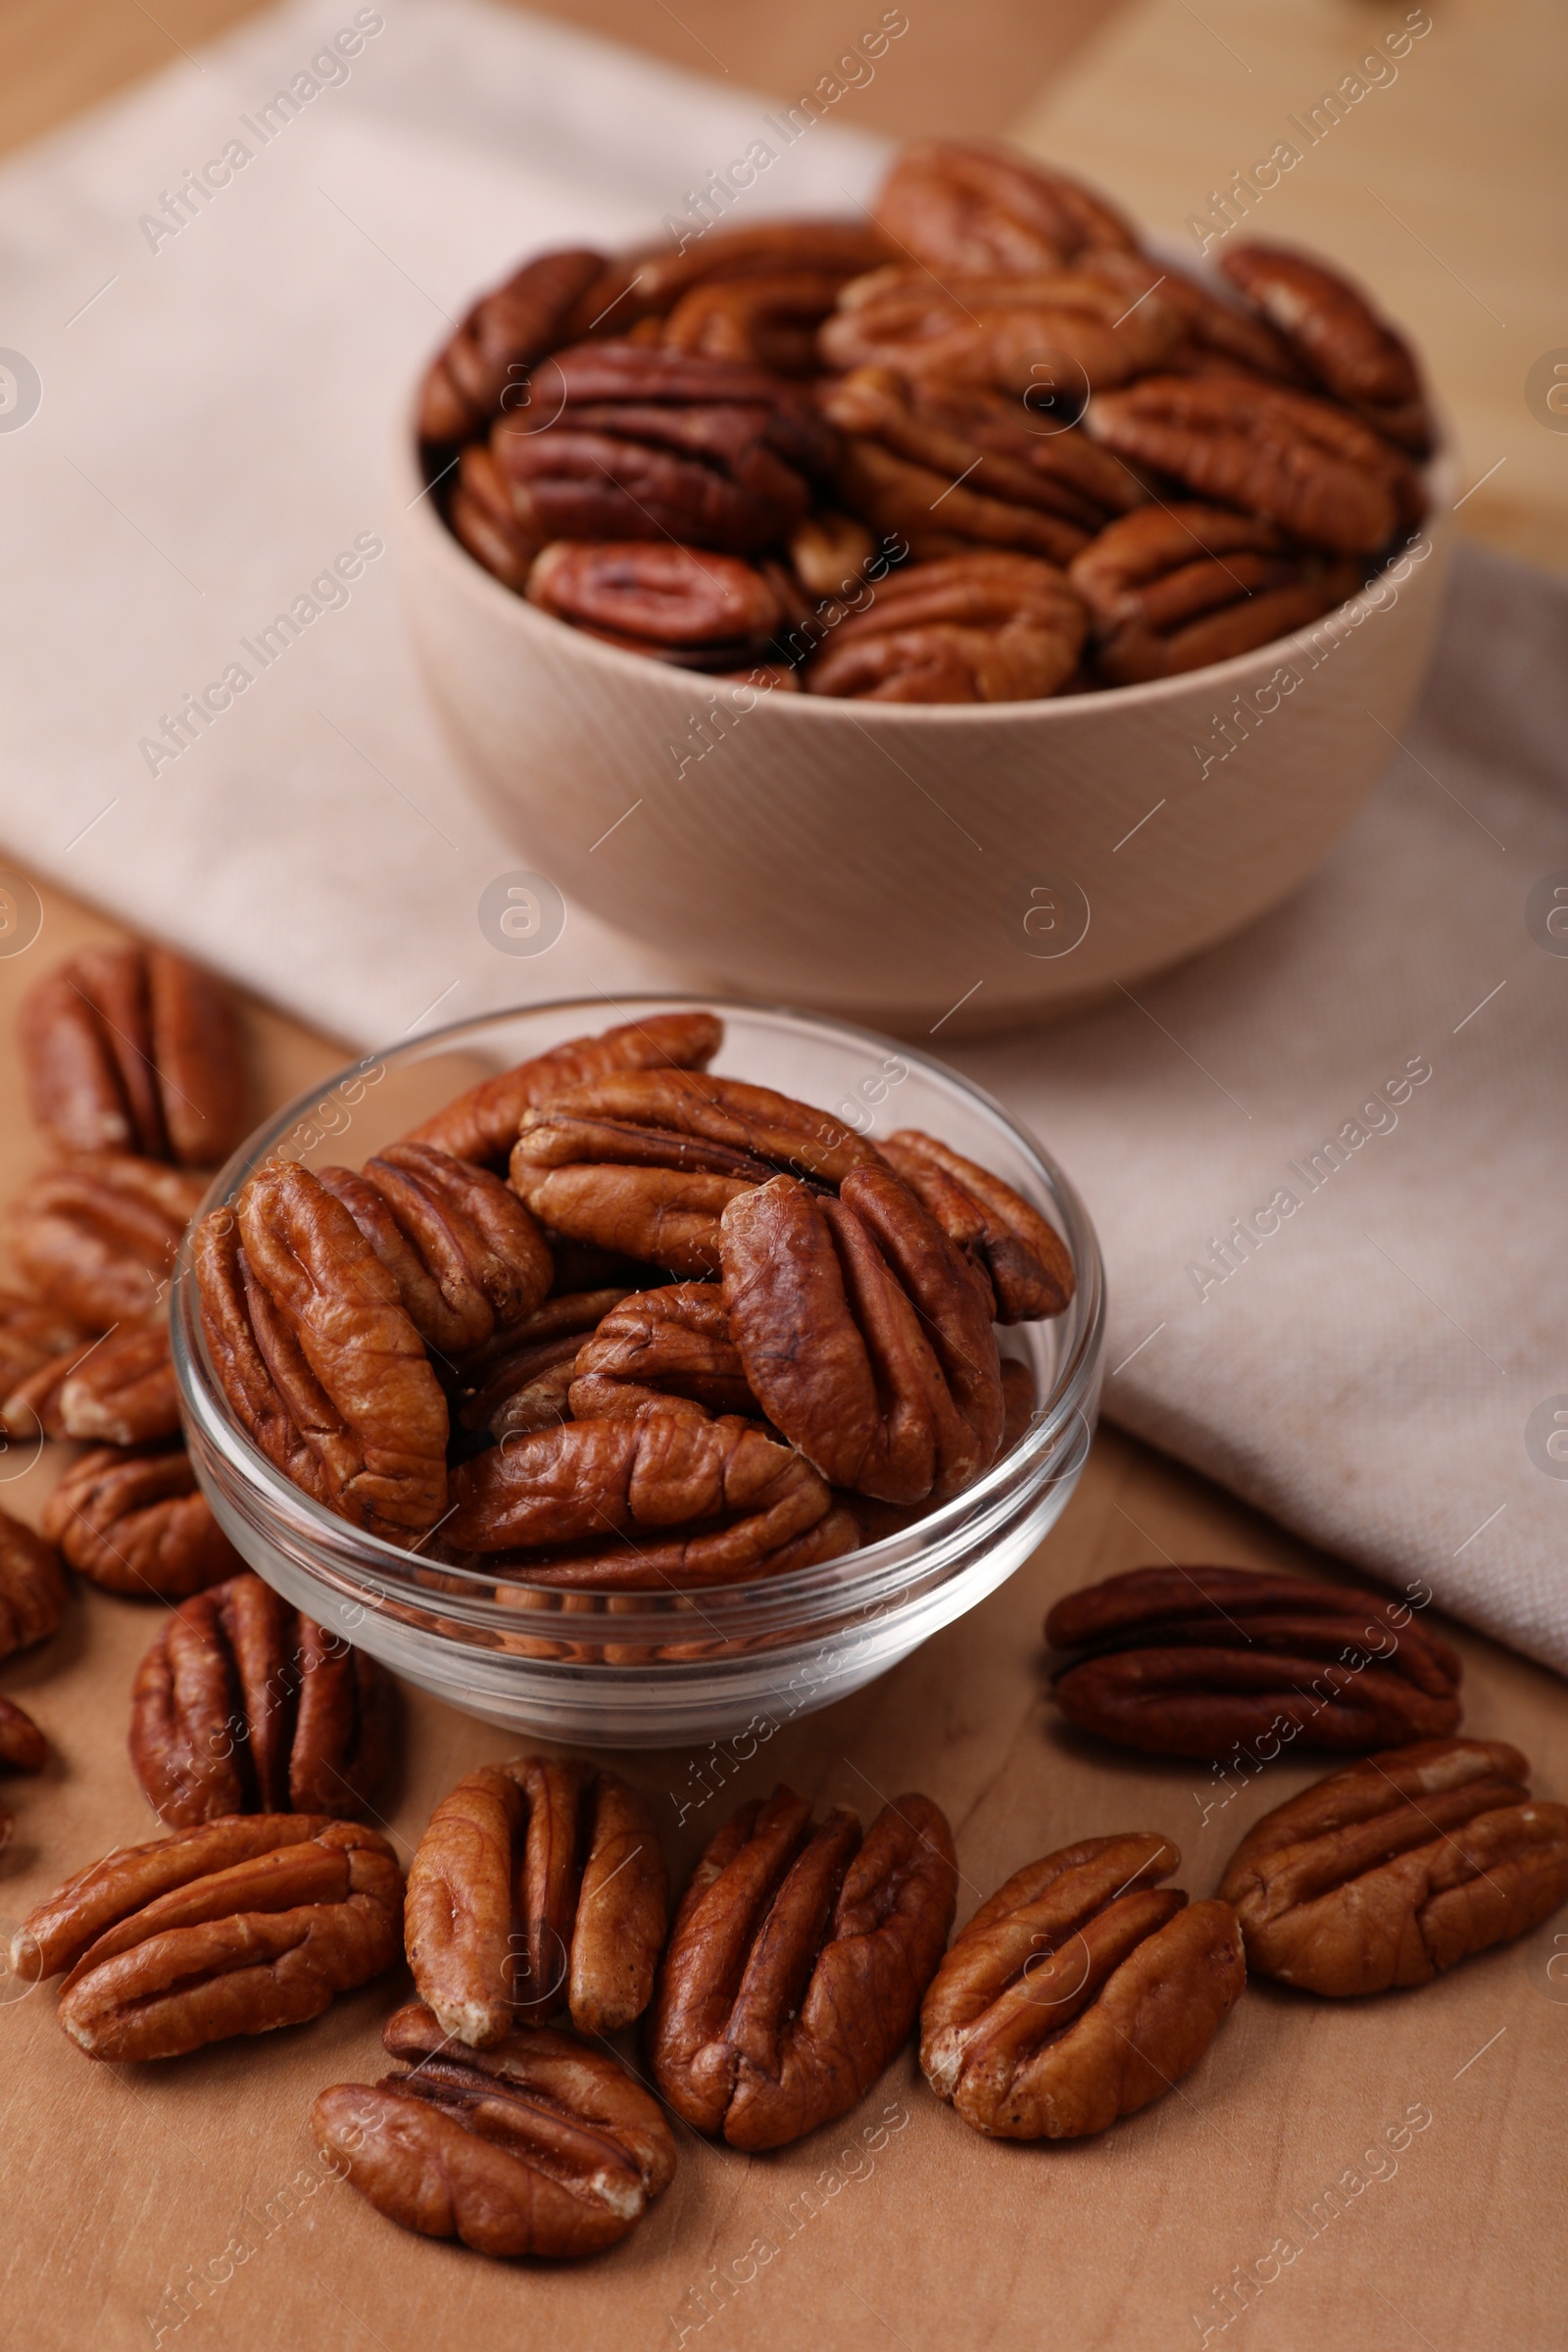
(1325, 1159)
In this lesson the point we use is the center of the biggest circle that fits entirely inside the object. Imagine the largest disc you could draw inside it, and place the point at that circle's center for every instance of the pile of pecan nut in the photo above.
(981, 446)
(611, 1323)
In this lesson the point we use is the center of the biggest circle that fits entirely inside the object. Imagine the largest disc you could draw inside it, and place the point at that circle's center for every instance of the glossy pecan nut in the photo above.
(238, 1927)
(992, 627)
(540, 2145)
(31, 1336)
(651, 284)
(482, 1124)
(969, 206)
(242, 1705)
(631, 1505)
(525, 1385)
(135, 1049)
(32, 1589)
(767, 320)
(1006, 332)
(660, 1352)
(502, 336)
(1173, 588)
(1183, 1661)
(1025, 1261)
(1284, 455)
(1332, 329)
(538, 1890)
(118, 1391)
(796, 1964)
(1401, 1866)
(1080, 1993)
(132, 1520)
(864, 1334)
(98, 1238)
(659, 597)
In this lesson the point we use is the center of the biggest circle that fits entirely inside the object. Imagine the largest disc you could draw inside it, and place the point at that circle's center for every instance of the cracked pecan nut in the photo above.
(1174, 588)
(118, 1391)
(663, 445)
(97, 1238)
(1001, 331)
(662, 1352)
(796, 1964)
(684, 1503)
(967, 206)
(32, 1589)
(1025, 1261)
(538, 1890)
(1286, 457)
(31, 1336)
(135, 1049)
(992, 627)
(1401, 1866)
(1183, 1661)
(539, 2146)
(238, 1927)
(131, 1520)
(525, 1386)
(482, 1124)
(864, 1334)
(243, 1705)
(656, 598)
(1080, 1993)
(501, 339)
(1331, 328)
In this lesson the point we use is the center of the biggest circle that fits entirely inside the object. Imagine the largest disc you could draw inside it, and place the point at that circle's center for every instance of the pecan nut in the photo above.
(525, 1385)
(538, 1890)
(1174, 588)
(243, 1705)
(665, 1351)
(796, 1964)
(966, 206)
(651, 284)
(1331, 328)
(31, 1336)
(993, 627)
(132, 1520)
(33, 1591)
(118, 1391)
(539, 2146)
(97, 1239)
(1000, 330)
(504, 334)
(238, 1927)
(1402, 1865)
(22, 1746)
(135, 1049)
(1080, 1993)
(1025, 1261)
(768, 321)
(652, 598)
(1284, 455)
(1198, 1661)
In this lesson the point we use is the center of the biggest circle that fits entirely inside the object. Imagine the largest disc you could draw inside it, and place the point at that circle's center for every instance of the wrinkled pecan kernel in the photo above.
(131, 1520)
(796, 1964)
(135, 1049)
(648, 285)
(1025, 1261)
(98, 1238)
(33, 1591)
(660, 1352)
(502, 336)
(993, 627)
(1401, 1866)
(1175, 588)
(22, 1746)
(1332, 329)
(1199, 1661)
(31, 1336)
(118, 1390)
(525, 1386)
(1001, 331)
(538, 1889)
(539, 2146)
(1080, 1993)
(656, 596)
(238, 1927)
(764, 322)
(960, 205)
(242, 1705)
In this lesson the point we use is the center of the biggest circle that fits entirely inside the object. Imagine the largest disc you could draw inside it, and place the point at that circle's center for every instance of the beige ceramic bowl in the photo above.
(916, 866)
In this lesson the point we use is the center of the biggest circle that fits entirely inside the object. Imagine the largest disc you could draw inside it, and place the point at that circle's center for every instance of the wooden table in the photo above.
(180, 2205)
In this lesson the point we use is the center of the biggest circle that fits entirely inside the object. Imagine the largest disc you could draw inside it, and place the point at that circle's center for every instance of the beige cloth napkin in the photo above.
(1326, 1161)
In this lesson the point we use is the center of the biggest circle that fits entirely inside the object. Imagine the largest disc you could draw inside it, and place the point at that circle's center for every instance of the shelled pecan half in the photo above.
(98, 1237)
(540, 2145)
(663, 1351)
(135, 1049)
(797, 1963)
(1194, 1661)
(992, 627)
(1332, 329)
(1080, 1993)
(31, 1336)
(116, 1390)
(243, 1705)
(33, 1591)
(22, 1746)
(132, 1519)
(238, 1927)
(998, 330)
(1025, 1261)
(1401, 1866)
(524, 1386)
(1173, 588)
(502, 336)
(761, 322)
(538, 1890)
(966, 206)
(661, 598)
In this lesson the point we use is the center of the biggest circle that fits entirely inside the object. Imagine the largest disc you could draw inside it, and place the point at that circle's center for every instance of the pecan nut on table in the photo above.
(243, 1705)
(115, 1390)
(131, 1520)
(538, 1890)
(236, 1927)
(729, 458)
(539, 2144)
(1080, 1993)
(32, 1589)
(135, 1049)
(797, 1963)
(1400, 1867)
(1183, 1661)
(23, 1748)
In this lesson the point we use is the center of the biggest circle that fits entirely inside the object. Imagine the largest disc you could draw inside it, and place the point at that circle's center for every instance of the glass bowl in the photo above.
(659, 1670)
